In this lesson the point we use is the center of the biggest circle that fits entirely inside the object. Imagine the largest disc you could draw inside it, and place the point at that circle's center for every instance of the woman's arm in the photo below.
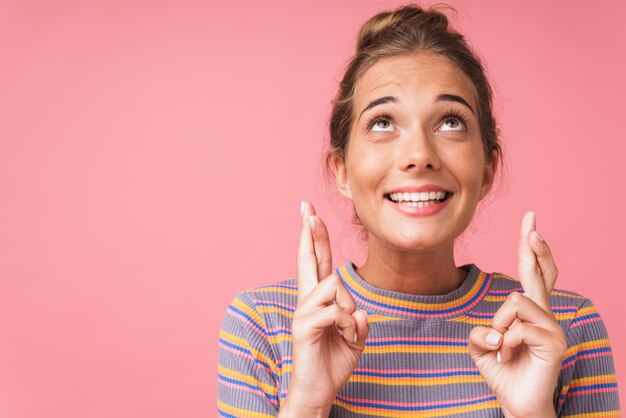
(248, 376)
(589, 384)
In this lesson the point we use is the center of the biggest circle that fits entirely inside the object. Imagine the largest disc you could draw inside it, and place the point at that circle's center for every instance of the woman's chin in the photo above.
(418, 243)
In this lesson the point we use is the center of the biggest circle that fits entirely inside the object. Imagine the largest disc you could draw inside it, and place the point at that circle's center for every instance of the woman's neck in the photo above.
(426, 273)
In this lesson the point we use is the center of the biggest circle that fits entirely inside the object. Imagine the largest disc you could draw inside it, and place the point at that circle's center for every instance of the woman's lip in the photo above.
(423, 211)
(424, 188)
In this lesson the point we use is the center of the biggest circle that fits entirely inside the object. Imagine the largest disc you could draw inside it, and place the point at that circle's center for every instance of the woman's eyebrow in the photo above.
(453, 98)
(379, 101)
(395, 100)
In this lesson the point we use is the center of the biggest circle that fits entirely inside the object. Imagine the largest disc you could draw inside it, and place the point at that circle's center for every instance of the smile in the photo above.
(416, 203)
(418, 199)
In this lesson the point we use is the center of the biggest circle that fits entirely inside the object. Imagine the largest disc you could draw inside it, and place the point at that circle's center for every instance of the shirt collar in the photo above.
(399, 305)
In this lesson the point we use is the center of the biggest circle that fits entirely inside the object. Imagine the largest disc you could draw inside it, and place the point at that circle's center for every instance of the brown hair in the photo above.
(409, 29)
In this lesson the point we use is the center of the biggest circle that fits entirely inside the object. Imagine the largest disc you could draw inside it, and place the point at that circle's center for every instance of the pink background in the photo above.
(154, 155)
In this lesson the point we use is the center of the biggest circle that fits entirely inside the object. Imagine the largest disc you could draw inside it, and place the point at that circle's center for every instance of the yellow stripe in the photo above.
(279, 338)
(402, 348)
(415, 381)
(249, 311)
(272, 390)
(586, 311)
(233, 339)
(592, 380)
(605, 378)
(275, 309)
(563, 317)
(414, 305)
(595, 415)
(502, 298)
(587, 345)
(379, 412)
(492, 298)
(241, 412)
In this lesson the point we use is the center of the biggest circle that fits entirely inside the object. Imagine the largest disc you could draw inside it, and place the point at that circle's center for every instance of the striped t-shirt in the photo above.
(416, 360)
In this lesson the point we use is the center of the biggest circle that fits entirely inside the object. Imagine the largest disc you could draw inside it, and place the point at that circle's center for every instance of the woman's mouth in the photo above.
(419, 203)
(418, 199)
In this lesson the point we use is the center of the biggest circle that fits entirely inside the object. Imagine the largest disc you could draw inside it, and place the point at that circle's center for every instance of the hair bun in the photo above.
(411, 15)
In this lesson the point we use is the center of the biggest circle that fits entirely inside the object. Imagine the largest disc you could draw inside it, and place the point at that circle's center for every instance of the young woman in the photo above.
(414, 146)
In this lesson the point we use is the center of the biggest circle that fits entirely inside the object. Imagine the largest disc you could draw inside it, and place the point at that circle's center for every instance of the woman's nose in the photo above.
(418, 152)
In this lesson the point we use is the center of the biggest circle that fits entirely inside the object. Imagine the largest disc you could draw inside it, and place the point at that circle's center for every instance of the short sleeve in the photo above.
(589, 385)
(247, 373)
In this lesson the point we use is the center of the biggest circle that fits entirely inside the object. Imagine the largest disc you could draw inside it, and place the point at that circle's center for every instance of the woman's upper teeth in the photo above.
(417, 196)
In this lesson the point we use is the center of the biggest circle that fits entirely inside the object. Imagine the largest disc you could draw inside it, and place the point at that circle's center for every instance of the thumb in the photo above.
(483, 342)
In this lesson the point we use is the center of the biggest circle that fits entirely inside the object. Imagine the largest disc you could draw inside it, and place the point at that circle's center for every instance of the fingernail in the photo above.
(356, 337)
(499, 357)
(539, 237)
(493, 339)
(302, 204)
(312, 222)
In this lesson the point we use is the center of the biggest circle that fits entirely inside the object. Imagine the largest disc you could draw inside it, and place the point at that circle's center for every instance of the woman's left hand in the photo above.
(520, 356)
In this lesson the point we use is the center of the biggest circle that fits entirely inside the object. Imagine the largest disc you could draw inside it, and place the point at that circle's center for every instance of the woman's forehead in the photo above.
(426, 73)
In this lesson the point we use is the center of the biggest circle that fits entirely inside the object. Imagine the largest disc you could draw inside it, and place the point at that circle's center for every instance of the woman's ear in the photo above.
(490, 173)
(341, 176)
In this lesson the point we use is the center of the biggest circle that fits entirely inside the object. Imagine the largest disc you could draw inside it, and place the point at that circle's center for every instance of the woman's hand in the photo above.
(328, 334)
(520, 356)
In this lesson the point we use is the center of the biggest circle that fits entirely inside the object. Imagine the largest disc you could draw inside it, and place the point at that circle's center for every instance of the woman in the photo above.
(414, 146)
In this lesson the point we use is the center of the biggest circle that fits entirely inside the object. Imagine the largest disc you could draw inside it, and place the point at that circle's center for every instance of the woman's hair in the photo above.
(408, 29)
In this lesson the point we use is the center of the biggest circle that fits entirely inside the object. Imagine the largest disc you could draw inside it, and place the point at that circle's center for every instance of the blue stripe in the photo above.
(598, 386)
(408, 342)
(243, 350)
(224, 414)
(236, 347)
(257, 326)
(420, 311)
(416, 408)
(280, 331)
(582, 318)
(398, 374)
(248, 385)
(584, 352)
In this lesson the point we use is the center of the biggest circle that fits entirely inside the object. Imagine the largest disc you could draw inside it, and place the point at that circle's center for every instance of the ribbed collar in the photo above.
(409, 306)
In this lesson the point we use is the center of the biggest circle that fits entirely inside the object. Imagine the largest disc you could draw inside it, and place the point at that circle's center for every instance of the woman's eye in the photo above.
(381, 125)
(452, 124)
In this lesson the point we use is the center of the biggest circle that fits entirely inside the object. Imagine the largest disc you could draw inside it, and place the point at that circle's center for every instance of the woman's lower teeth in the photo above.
(420, 204)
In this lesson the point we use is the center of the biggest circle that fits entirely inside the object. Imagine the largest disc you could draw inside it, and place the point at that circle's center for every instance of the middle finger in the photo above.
(306, 260)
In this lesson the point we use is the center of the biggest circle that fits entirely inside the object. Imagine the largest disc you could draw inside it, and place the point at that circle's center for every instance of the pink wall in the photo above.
(154, 155)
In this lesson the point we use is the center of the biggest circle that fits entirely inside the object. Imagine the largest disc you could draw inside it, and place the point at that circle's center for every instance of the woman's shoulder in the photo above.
(272, 297)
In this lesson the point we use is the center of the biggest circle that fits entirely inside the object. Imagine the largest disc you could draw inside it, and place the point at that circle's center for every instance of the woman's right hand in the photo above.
(328, 333)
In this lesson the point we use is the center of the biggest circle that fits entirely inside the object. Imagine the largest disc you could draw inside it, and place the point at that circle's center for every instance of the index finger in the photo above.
(528, 269)
(306, 260)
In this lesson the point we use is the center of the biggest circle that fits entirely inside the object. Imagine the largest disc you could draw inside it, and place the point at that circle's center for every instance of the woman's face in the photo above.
(415, 131)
